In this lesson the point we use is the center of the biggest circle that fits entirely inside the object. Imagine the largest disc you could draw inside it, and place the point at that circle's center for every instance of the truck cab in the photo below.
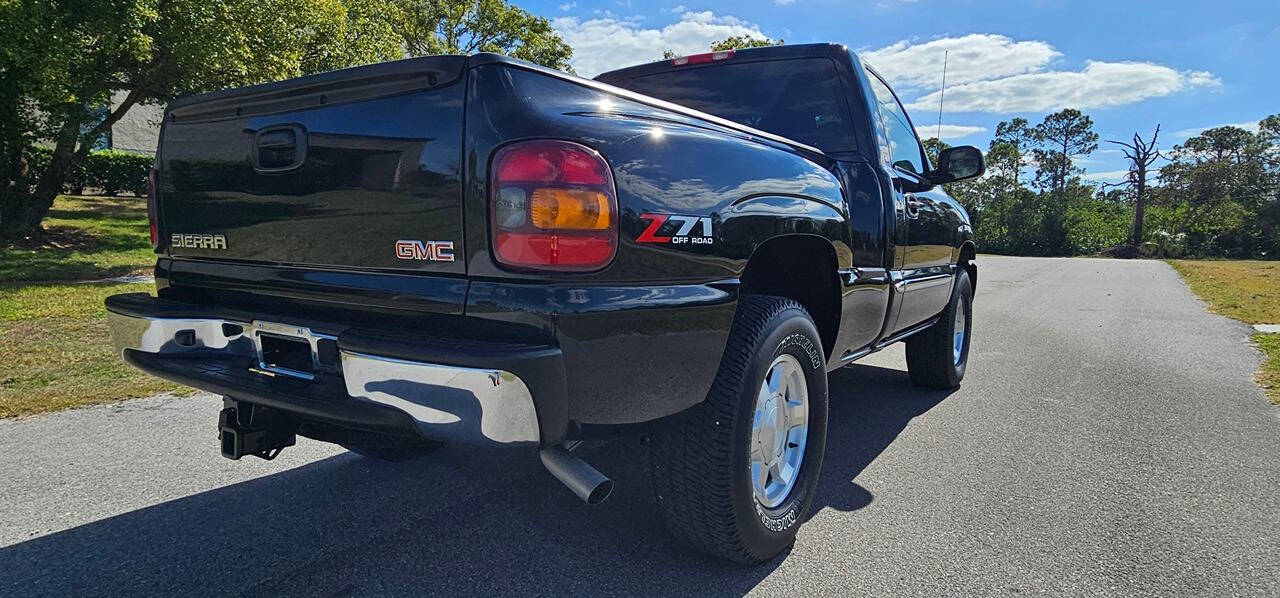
(903, 226)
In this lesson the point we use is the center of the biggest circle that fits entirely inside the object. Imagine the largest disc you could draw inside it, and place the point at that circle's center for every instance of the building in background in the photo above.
(137, 131)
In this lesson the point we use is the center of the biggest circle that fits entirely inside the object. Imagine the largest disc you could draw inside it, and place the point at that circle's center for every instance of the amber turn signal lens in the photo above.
(576, 209)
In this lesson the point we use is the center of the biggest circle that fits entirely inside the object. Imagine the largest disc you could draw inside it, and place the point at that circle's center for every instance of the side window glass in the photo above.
(903, 145)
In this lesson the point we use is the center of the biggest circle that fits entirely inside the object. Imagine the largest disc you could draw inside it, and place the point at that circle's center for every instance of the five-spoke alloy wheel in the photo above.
(779, 429)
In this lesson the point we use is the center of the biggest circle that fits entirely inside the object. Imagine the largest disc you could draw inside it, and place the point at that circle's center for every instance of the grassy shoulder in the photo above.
(1248, 291)
(1269, 375)
(55, 352)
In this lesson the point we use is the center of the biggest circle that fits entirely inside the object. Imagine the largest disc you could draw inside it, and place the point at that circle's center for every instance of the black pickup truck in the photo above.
(479, 250)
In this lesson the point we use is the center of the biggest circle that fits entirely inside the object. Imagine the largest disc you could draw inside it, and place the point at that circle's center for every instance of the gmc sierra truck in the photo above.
(478, 250)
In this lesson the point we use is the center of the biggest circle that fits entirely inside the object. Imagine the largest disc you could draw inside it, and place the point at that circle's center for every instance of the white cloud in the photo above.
(568, 6)
(609, 43)
(1098, 85)
(1250, 126)
(1109, 176)
(975, 57)
(784, 2)
(985, 72)
(948, 131)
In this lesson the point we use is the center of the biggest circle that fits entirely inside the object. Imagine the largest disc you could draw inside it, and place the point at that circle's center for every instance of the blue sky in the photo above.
(1183, 64)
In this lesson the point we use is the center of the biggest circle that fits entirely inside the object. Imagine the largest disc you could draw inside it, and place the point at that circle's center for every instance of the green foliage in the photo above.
(114, 171)
(469, 26)
(1219, 196)
(734, 42)
(1229, 180)
(109, 171)
(737, 42)
(1093, 225)
(62, 61)
(1059, 139)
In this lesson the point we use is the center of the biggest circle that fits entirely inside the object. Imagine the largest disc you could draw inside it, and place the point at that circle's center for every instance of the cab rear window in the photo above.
(798, 99)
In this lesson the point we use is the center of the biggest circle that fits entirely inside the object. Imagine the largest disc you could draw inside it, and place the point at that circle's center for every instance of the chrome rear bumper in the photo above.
(449, 403)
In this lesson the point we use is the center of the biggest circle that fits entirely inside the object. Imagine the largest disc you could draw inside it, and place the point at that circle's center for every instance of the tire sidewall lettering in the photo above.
(806, 346)
(788, 515)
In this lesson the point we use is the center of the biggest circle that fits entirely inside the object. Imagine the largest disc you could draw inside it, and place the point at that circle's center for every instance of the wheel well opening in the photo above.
(967, 253)
(801, 268)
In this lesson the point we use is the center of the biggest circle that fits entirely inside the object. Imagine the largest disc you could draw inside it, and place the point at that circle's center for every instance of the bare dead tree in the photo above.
(1142, 155)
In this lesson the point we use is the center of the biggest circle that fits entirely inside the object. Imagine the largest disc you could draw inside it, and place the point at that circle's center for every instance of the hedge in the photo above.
(110, 171)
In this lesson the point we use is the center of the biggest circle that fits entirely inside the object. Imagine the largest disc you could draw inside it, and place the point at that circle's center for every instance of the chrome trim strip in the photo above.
(450, 403)
(926, 282)
(860, 276)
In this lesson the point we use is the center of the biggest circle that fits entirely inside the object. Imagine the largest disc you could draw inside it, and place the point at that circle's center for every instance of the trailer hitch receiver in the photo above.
(248, 429)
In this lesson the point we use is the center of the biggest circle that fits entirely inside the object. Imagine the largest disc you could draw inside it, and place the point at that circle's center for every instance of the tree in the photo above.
(1229, 180)
(738, 42)
(1062, 137)
(70, 57)
(469, 26)
(1141, 155)
(1013, 140)
(734, 42)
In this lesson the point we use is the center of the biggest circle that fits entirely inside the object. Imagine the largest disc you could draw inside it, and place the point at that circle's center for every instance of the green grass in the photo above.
(55, 352)
(1269, 375)
(88, 238)
(1248, 291)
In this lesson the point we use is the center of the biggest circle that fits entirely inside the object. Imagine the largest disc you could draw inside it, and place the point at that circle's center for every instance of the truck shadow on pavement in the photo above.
(458, 522)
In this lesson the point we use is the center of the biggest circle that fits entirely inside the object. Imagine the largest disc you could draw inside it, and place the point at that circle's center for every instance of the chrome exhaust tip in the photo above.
(579, 476)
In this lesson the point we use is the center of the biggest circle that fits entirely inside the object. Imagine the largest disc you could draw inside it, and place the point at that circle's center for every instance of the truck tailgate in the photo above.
(354, 168)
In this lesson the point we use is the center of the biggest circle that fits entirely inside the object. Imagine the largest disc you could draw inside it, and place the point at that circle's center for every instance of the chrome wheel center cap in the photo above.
(773, 429)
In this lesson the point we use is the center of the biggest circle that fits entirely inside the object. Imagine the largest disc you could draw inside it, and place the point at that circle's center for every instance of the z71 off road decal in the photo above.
(680, 229)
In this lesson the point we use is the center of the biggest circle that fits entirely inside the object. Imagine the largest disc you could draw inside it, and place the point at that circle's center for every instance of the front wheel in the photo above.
(735, 476)
(937, 357)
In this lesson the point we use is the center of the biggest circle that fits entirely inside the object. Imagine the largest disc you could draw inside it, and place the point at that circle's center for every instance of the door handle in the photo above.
(913, 206)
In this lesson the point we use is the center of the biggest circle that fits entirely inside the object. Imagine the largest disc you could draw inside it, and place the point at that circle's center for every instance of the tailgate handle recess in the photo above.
(279, 148)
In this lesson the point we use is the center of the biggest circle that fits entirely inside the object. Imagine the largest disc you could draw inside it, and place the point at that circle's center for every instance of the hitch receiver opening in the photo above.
(248, 429)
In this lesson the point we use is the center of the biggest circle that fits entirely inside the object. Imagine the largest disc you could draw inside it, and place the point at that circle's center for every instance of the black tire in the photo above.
(931, 357)
(701, 465)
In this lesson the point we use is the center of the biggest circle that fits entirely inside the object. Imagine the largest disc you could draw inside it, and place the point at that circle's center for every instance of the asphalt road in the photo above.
(1108, 440)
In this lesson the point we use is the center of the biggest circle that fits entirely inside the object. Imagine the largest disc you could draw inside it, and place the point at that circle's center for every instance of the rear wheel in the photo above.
(735, 476)
(937, 357)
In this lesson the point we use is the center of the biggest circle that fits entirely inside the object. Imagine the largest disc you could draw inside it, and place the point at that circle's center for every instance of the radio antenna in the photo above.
(942, 96)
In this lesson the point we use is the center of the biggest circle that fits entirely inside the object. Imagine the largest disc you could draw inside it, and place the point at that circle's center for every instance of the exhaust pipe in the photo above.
(584, 480)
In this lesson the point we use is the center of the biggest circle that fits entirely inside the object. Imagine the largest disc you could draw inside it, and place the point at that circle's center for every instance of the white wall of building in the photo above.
(139, 129)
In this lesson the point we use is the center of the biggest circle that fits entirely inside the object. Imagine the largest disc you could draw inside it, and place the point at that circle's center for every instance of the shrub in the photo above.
(112, 171)
(115, 171)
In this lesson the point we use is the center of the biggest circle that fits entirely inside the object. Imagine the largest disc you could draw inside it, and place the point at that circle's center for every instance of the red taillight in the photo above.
(151, 207)
(552, 206)
(703, 58)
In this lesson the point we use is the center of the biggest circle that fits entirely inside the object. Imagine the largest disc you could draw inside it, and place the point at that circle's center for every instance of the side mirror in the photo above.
(957, 164)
